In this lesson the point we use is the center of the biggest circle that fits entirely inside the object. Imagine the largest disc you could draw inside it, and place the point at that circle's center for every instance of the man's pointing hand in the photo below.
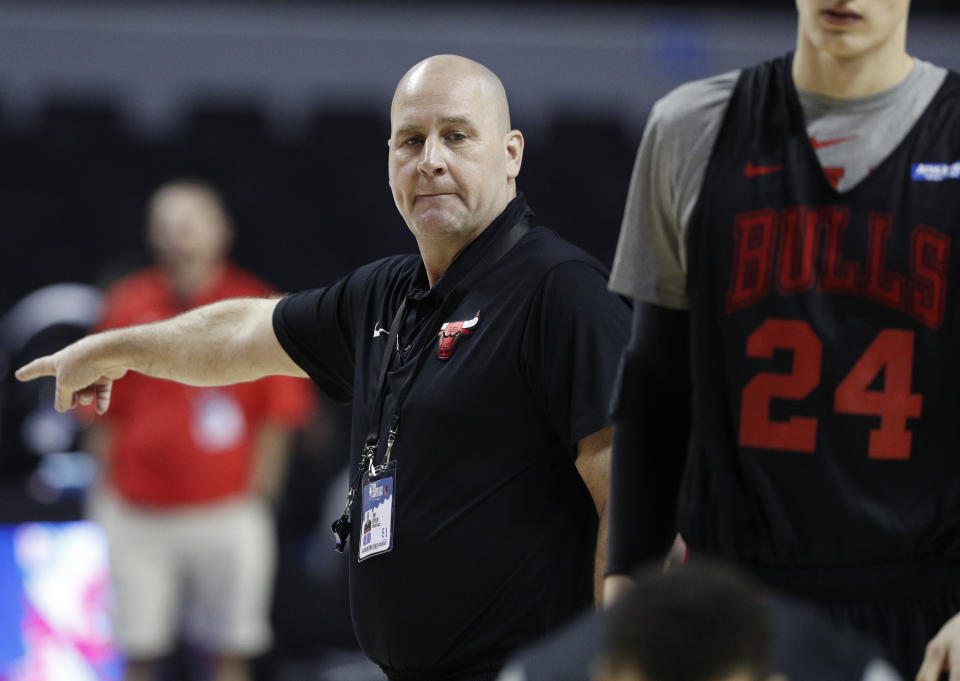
(80, 378)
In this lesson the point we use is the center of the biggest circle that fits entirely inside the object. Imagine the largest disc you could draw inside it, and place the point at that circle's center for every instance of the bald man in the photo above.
(478, 370)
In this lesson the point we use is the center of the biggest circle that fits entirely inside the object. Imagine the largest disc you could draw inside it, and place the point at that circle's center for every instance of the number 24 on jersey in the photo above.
(891, 352)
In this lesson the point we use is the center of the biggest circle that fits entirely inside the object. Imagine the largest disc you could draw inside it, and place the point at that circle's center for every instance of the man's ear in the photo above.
(513, 147)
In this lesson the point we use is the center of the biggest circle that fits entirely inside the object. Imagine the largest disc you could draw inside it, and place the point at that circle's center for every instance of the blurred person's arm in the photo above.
(227, 342)
(271, 457)
(97, 440)
(651, 429)
(289, 404)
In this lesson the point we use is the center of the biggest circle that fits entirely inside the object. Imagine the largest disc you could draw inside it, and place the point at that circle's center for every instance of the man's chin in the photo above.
(437, 223)
(842, 45)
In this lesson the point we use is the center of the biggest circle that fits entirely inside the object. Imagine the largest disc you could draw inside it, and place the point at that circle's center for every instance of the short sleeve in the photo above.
(650, 261)
(316, 328)
(574, 335)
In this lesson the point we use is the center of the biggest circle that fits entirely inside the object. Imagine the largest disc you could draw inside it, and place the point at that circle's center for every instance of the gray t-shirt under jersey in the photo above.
(850, 136)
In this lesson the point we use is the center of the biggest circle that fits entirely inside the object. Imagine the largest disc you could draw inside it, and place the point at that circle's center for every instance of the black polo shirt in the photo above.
(494, 529)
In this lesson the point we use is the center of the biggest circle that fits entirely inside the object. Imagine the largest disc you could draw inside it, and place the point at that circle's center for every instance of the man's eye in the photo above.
(456, 137)
(411, 141)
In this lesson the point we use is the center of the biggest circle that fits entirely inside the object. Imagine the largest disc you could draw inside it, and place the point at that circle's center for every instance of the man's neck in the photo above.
(817, 71)
(439, 252)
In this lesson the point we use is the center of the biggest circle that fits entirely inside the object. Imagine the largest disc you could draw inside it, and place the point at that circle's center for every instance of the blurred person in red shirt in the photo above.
(187, 471)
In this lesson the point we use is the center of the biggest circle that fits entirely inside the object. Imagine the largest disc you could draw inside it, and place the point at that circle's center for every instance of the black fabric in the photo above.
(810, 649)
(566, 655)
(900, 605)
(807, 648)
(494, 530)
(651, 431)
(793, 367)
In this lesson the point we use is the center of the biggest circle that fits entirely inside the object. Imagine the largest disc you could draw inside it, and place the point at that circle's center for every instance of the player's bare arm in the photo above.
(227, 342)
(943, 653)
(593, 464)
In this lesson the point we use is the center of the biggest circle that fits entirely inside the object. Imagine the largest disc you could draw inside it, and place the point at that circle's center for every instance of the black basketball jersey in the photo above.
(824, 343)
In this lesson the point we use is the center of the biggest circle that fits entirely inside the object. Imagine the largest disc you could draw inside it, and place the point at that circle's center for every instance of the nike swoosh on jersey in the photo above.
(377, 330)
(751, 170)
(820, 144)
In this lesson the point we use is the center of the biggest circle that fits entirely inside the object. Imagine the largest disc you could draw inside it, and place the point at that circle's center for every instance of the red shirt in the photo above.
(175, 444)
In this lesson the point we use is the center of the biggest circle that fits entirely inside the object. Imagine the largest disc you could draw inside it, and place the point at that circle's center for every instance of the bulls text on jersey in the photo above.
(801, 247)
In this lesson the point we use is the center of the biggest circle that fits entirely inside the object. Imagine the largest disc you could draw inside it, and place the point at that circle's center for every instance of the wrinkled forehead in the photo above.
(424, 98)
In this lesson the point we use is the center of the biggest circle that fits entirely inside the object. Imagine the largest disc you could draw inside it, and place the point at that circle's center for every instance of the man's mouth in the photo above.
(839, 16)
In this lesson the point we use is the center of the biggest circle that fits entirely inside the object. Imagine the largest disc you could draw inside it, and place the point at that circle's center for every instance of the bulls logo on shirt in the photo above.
(450, 332)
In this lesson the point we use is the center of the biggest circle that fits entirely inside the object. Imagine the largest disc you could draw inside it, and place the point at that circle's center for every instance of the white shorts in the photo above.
(206, 568)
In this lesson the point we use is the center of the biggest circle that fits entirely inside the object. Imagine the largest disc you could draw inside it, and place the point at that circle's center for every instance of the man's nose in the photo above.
(431, 160)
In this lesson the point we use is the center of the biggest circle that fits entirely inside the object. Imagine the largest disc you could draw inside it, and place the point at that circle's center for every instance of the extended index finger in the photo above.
(42, 366)
(933, 660)
(953, 660)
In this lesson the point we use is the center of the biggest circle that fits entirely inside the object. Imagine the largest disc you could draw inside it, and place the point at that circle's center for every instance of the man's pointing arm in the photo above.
(227, 342)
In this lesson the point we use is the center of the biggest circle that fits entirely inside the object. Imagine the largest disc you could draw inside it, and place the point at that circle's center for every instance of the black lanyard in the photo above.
(496, 250)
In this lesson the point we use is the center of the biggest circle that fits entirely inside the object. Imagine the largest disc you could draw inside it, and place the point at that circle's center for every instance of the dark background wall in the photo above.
(283, 105)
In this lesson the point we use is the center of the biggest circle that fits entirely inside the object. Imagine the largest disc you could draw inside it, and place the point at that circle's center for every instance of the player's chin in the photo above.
(843, 44)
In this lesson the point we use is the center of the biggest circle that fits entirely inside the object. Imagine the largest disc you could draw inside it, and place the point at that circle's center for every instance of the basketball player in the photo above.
(790, 384)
